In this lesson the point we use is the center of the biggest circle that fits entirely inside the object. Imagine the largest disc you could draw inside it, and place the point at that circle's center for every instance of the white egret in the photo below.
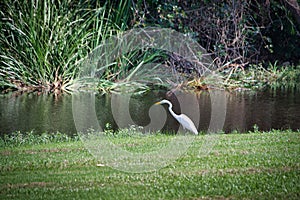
(184, 120)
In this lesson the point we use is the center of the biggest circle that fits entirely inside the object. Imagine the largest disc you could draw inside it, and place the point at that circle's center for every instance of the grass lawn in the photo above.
(239, 166)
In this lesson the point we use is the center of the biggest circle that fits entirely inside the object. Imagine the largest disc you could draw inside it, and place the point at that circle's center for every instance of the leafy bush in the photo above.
(235, 32)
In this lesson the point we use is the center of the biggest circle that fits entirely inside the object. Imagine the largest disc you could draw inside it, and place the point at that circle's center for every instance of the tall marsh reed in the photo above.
(43, 42)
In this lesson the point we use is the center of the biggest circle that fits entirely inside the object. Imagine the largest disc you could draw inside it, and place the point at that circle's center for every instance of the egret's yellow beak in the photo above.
(157, 103)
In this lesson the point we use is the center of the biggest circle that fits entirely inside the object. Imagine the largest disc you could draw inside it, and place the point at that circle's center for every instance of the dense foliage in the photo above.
(235, 32)
(43, 42)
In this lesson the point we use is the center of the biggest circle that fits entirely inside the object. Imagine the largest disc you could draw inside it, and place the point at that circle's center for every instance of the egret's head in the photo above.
(162, 102)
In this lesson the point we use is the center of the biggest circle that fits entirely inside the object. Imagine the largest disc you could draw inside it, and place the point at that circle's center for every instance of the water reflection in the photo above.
(47, 113)
(267, 109)
(41, 113)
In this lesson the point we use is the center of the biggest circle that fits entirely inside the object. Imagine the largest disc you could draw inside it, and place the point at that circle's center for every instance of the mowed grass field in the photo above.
(239, 166)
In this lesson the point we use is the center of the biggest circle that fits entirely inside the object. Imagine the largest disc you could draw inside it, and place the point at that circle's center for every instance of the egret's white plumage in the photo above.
(184, 120)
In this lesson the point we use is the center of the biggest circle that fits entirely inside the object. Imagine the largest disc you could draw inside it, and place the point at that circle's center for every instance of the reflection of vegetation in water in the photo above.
(37, 112)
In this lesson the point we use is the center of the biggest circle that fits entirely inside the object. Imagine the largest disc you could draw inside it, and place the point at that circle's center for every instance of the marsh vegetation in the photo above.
(44, 42)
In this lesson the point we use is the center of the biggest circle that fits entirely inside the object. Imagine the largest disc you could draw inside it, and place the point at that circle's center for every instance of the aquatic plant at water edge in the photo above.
(43, 42)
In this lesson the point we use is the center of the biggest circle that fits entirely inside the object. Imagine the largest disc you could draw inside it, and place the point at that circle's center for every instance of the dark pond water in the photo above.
(225, 110)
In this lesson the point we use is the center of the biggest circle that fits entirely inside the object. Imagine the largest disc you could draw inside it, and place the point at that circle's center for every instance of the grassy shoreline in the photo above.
(240, 166)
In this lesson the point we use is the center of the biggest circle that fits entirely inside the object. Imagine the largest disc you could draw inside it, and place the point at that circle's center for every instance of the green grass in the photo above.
(240, 166)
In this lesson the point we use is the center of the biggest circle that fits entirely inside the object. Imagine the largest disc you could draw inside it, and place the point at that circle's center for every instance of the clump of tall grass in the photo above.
(136, 71)
(43, 42)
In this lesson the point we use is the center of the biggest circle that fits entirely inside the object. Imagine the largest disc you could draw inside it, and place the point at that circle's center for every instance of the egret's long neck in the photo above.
(171, 111)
